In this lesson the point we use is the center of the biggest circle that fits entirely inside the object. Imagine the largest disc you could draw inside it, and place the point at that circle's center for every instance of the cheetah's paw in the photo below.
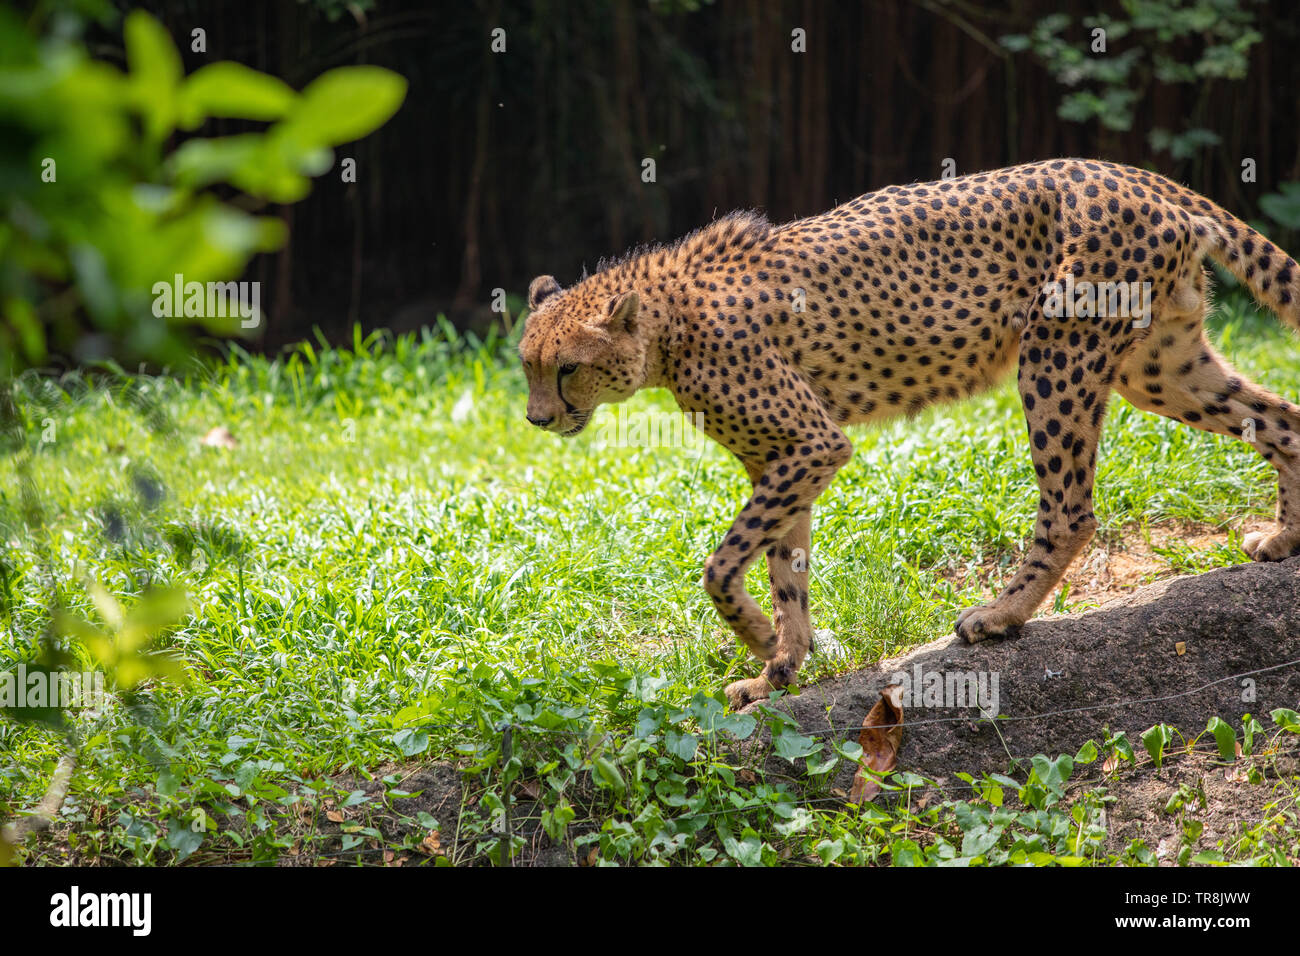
(741, 693)
(778, 674)
(980, 623)
(1277, 546)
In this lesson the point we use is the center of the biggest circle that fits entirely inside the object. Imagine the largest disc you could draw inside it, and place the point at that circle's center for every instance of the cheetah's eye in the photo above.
(568, 369)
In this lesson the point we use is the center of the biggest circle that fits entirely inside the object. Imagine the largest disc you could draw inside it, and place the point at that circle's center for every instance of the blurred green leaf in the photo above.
(233, 90)
(155, 70)
(340, 106)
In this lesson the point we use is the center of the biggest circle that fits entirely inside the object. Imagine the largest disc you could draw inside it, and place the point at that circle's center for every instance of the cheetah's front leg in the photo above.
(778, 513)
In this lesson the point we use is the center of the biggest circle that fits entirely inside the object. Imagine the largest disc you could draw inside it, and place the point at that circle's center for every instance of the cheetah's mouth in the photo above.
(580, 420)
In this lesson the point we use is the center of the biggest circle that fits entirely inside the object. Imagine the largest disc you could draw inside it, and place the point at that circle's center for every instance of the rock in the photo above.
(1066, 677)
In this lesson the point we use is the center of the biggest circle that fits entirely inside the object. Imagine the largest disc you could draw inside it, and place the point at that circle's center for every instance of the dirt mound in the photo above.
(1178, 652)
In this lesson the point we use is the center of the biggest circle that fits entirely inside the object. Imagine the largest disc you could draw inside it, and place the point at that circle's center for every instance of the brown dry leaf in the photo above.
(592, 857)
(334, 816)
(747, 777)
(882, 733)
(530, 789)
(219, 437)
(432, 844)
(837, 792)
(1181, 648)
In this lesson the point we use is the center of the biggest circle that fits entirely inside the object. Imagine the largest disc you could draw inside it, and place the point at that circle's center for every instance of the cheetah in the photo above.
(775, 337)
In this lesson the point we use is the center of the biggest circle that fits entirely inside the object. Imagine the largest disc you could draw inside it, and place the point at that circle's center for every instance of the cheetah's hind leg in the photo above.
(1178, 374)
(1064, 391)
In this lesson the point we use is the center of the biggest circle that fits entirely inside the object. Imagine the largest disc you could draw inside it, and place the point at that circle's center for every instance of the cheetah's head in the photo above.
(580, 349)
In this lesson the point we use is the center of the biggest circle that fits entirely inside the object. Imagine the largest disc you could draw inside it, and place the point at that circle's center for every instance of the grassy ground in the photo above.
(391, 561)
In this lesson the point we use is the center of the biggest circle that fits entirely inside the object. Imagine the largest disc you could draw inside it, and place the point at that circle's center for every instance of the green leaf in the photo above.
(341, 106)
(1225, 736)
(199, 161)
(168, 783)
(1155, 740)
(672, 791)
(1286, 719)
(793, 746)
(184, 839)
(1283, 207)
(649, 721)
(739, 726)
(232, 90)
(818, 767)
(682, 746)
(411, 742)
(906, 853)
(1249, 727)
(979, 840)
(555, 822)
(747, 851)
(1121, 746)
(608, 775)
(1087, 753)
(1053, 773)
(156, 72)
(800, 819)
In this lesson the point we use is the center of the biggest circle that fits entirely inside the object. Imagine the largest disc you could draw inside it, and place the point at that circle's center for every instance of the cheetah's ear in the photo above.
(621, 312)
(541, 289)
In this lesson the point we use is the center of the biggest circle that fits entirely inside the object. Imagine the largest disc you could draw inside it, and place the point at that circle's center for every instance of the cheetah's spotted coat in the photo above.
(913, 295)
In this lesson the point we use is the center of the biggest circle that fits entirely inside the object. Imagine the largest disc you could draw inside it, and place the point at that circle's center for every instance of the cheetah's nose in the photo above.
(541, 422)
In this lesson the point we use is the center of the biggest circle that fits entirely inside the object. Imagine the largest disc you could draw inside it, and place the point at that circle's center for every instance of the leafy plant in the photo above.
(98, 217)
(1110, 64)
(1283, 206)
(97, 212)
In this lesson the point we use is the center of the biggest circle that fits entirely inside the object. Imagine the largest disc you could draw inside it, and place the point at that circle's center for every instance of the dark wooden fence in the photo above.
(502, 165)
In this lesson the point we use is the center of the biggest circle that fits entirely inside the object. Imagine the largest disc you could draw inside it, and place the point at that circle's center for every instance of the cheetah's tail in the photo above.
(1271, 275)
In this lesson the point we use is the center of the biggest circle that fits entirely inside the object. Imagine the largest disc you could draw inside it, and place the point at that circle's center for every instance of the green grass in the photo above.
(391, 544)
